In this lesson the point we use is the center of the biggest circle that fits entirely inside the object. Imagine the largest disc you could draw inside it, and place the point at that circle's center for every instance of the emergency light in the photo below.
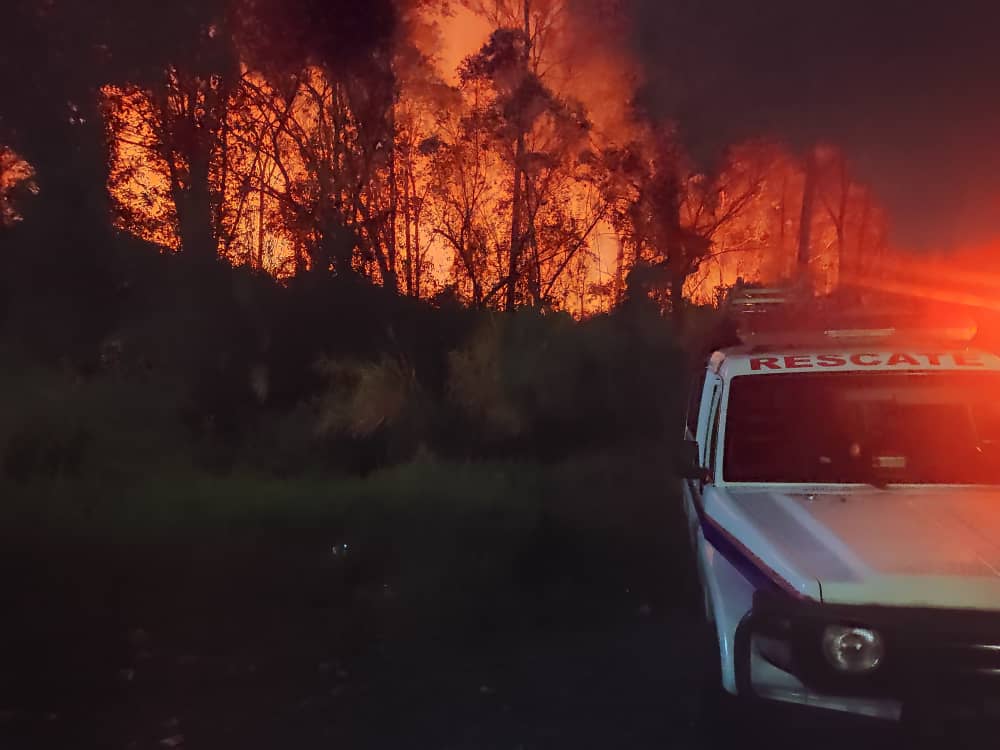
(787, 317)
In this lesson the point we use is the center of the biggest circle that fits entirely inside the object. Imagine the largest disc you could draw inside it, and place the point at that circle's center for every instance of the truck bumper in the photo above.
(768, 682)
(938, 664)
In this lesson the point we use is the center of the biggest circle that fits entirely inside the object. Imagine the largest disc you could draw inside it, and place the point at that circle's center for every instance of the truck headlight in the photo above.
(852, 649)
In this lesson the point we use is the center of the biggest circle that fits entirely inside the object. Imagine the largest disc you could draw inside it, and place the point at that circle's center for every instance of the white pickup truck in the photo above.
(843, 501)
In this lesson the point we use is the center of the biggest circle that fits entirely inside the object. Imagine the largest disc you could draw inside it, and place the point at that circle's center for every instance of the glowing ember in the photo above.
(16, 176)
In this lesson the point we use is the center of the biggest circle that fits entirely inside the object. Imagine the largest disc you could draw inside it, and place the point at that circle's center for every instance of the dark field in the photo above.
(522, 626)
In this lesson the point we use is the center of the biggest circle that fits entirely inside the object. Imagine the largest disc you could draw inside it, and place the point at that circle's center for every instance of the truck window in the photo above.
(920, 428)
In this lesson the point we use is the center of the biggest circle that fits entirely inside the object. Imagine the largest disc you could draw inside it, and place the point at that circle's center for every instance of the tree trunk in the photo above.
(515, 226)
(194, 210)
(678, 275)
(782, 258)
(219, 205)
(678, 257)
(300, 259)
(390, 280)
(393, 282)
(535, 272)
(619, 290)
(407, 238)
(416, 249)
(336, 244)
(260, 228)
(859, 251)
(805, 220)
(845, 189)
(516, 199)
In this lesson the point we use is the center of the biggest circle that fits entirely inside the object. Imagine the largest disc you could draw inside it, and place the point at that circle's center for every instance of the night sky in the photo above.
(910, 89)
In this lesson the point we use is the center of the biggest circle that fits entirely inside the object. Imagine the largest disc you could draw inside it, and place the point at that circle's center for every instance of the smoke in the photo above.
(584, 46)
(599, 67)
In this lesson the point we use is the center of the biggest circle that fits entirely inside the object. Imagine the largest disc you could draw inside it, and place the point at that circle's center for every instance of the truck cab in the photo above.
(842, 493)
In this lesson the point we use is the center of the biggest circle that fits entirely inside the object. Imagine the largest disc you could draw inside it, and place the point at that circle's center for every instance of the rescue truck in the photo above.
(841, 485)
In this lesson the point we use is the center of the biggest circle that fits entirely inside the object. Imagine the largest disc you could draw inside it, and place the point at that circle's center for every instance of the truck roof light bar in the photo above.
(788, 317)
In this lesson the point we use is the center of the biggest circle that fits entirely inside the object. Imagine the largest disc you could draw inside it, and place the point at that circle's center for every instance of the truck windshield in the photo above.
(877, 428)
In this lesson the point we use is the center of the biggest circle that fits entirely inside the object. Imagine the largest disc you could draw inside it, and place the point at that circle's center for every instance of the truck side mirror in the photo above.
(687, 462)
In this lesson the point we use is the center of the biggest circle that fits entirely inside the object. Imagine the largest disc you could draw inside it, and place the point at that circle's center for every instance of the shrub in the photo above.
(544, 385)
(286, 443)
(476, 384)
(57, 424)
(378, 406)
(364, 396)
(45, 451)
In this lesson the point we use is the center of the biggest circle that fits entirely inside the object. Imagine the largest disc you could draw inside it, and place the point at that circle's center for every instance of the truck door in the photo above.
(699, 427)
(711, 395)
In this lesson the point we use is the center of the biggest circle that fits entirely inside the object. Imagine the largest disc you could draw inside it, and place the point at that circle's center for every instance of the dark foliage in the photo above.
(232, 356)
(334, 33)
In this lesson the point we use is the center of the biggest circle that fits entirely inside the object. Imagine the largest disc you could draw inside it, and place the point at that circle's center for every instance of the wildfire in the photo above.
(148, 174)
(16, 177)
(496, 155)
(460, 33)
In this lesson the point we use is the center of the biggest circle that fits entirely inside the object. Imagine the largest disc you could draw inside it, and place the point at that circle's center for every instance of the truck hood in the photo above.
(903, 546)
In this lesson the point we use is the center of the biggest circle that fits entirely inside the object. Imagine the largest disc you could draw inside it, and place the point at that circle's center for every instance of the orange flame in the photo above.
(434, 207)
(15, 174)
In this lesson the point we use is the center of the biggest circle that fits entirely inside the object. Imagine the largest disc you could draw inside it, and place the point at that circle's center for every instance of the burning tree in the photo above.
(255, 164)
(274, 148)
(691, 235)
(515, 182)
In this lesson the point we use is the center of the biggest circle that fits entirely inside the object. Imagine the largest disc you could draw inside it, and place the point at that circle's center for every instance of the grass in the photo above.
(56, 423)
(186, 500)
(136, 489)
(452, 568)
(599, 490)
(433, 523)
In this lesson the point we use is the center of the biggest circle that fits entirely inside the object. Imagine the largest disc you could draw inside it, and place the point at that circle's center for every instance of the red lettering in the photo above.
(902, 359)
(932, 359)
(830, 360)
(871, 361)
(797, 362)
(968, 360)
(772, 363)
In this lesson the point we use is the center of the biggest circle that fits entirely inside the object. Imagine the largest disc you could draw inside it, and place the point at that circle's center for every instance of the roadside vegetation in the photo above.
(160, 421)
